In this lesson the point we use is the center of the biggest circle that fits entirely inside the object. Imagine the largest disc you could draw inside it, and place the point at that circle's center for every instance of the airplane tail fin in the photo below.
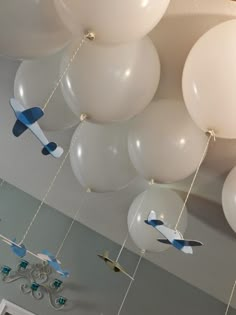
(65, 274)
(152, 220)
(106, 254)
(53, 149)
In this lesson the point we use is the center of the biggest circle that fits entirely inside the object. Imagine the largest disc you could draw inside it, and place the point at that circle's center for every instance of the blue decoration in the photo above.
(57, 283)
(18, 250)
(61, 300)
(35, 286)
(23, 264)
(53, 262)
(27, 119)
(172, 237)
(5, 270)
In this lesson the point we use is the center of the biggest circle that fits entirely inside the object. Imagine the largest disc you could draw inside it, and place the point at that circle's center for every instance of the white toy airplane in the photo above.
(172, 237)
(27, 119)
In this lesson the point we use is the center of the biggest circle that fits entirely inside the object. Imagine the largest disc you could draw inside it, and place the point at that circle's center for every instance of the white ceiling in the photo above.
(22, 164)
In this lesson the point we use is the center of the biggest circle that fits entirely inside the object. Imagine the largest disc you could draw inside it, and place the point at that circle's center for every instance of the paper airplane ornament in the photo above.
(27, 119)
(172, 237)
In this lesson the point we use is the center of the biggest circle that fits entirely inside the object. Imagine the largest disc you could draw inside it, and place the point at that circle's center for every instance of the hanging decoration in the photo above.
(38, 282)
(172, 236)
(27, 119)
(113, 264)
(37, 275)
(105, 16)
(168, 203)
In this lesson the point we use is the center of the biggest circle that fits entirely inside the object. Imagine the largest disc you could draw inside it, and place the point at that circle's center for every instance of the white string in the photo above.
(230, 298)
(83, 117)
(131, 282)
(67, 233)
(89, 36)
(130, 227)
(211, 134)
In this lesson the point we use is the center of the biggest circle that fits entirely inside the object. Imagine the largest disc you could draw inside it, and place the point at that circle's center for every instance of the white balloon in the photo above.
(209, 80)
(111, 83)
(164, 143)
(229, 198)
(99, 157)
(167, 205)
(30, 29)
(34, 83)
(115, 21)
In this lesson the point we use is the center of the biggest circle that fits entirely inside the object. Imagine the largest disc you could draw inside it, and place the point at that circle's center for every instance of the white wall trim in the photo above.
(13, 309)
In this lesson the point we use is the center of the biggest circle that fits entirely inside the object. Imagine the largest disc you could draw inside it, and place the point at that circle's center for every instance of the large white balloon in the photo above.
(229, 198)
(34, 82)
(115, 21)
(167, 205)
(30, 29)
(111, 83)
(164, 143)
(99, 157)
(209, 80)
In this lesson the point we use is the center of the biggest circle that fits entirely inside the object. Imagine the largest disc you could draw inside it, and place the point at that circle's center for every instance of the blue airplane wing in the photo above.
(188, 242)
(18, 128)
(18, 250)
(32, 115)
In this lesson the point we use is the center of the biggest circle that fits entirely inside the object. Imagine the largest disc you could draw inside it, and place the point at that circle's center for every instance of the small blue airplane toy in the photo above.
(27, 119)
(53, 262)
(172, 237)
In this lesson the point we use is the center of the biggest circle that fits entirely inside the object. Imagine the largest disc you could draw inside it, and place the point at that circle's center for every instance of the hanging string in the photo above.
(211, 135)
(131, 224)
(87, 36)
(82, 118)
(67, 233)
(131, 282)
(230, 298)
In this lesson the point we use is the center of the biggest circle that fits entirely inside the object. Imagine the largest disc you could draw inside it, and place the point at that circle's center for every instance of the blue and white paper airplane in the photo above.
(27, 119)
(53, 262)
(172, 237)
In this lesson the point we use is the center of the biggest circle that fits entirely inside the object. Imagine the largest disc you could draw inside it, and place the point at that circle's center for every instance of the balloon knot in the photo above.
(83, 117)
(90, 35)
(151, 181)
(211, 133)
(89, 190)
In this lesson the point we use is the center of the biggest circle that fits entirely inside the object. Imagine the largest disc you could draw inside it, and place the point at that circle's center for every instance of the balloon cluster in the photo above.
(114, 79)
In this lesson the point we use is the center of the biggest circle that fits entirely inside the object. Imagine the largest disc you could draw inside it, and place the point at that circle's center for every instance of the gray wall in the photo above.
(92, 288)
